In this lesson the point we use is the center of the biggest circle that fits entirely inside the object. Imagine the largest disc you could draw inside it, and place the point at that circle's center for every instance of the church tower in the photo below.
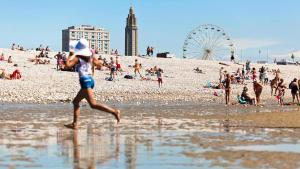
(131, 35)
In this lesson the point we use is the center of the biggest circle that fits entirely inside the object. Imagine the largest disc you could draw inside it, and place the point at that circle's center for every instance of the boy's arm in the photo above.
(71, 61)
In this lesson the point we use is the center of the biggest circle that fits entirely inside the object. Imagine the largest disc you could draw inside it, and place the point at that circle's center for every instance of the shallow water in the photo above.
(162, 136)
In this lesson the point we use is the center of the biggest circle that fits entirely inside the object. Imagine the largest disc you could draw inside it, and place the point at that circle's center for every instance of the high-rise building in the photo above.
(131, 35)
(98, 38)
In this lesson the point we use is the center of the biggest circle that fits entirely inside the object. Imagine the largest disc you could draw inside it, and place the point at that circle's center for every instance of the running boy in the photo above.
(85, 59)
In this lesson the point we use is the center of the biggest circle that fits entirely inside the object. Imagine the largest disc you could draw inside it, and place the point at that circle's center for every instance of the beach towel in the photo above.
(109, 79)
(128, 77)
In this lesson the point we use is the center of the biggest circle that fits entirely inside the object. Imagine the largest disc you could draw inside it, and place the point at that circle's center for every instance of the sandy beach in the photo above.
(43, 84)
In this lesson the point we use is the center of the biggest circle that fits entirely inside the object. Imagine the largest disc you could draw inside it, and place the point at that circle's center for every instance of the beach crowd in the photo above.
(259, 80)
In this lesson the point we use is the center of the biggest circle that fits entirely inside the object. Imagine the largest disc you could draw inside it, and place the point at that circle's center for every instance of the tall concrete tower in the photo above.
(131, 35)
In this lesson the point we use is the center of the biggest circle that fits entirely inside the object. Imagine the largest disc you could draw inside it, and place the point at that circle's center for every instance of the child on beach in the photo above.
(281, 91)
(227, 88)
(85, 58)
(254, 76)
(113, 68)
(159, 77)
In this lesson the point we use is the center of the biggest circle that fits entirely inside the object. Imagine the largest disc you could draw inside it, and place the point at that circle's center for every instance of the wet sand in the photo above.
(150, 136)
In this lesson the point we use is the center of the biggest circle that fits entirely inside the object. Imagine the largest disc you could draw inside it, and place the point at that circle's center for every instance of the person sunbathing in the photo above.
(152, 71)
(15, 75)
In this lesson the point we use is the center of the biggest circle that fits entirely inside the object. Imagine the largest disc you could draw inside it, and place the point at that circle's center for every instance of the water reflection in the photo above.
(89, 147)
(131, 152)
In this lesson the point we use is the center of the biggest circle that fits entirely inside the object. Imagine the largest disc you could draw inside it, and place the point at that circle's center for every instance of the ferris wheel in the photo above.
(208, 42)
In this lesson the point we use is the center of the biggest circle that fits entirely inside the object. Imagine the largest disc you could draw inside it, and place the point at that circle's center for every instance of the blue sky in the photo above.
(269, 25)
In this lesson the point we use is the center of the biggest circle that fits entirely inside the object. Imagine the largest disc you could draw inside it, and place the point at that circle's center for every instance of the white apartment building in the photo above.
(98, 38)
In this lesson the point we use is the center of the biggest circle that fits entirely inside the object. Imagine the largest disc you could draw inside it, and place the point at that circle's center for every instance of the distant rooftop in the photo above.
(85, 27)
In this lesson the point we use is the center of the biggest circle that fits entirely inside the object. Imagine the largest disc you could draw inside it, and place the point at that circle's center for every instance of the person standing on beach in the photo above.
(148, 51)
(248, 66)
(159, 77)
(294, 90)
(118, 66)
(58, 58)
(281, 92)
(84, 57)
(221, 74)
(113, 68)
(254, 76)
(137, 67)
(151, 51)
(274, 84)
(257, 90)
(227, 88)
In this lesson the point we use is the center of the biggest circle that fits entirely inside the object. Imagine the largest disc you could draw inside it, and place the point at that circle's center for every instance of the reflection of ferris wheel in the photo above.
(208, 42)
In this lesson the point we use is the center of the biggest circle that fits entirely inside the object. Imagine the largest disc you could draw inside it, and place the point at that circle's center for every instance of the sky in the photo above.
(273, 27)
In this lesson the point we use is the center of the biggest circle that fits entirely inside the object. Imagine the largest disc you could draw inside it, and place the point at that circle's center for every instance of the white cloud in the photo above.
(253, 43)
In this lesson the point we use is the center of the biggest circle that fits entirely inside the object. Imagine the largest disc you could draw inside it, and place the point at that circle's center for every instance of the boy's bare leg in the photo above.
(80, 95)
(102, 107)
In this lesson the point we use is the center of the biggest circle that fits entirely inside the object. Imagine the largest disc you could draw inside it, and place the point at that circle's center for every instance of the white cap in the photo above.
(82, 48)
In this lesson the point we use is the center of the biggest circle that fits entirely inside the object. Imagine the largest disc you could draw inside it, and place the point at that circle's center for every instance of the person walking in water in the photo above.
(85, 59)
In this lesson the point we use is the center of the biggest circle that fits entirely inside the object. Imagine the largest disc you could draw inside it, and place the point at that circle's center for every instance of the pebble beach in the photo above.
(44, 84)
